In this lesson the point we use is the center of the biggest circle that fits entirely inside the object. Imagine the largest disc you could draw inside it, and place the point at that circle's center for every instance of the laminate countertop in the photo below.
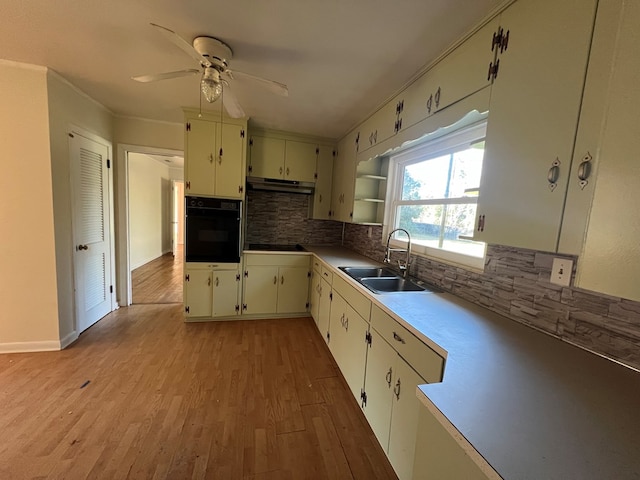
(532, 406)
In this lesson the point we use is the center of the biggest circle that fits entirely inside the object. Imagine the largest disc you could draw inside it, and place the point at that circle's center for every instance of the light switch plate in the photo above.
(561, 271)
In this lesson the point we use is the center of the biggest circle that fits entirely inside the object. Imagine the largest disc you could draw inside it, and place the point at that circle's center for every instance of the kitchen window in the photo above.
(434, 196)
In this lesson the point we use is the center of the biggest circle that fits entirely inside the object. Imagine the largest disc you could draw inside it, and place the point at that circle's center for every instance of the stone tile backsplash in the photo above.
(515, 283)
(283, 219)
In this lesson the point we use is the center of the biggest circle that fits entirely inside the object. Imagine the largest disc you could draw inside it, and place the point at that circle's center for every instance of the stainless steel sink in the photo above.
(383, 280)
(390, 284)
(361, 272)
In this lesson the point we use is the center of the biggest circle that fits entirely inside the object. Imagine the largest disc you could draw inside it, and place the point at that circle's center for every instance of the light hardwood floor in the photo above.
(168, 400)
(159, 281)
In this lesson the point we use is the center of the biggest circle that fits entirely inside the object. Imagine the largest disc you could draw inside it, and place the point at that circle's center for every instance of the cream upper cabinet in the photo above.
(214, 158)
(266, 157)
(322, 193)
(535, 102)
(344, 172)
(300, 161)
(461, 73)
(611, 252)
(283, 156)
(380, 126)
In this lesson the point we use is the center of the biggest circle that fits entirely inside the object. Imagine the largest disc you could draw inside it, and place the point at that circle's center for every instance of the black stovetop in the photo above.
(270, 247)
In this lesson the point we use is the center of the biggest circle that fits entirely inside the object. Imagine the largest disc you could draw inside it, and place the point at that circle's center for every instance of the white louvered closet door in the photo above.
(91, 230)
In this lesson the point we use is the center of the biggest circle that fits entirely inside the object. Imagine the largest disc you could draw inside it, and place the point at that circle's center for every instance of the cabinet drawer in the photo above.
(327, 273)
(279, 260)
(360, 303)
(317, 264)
(421, 358)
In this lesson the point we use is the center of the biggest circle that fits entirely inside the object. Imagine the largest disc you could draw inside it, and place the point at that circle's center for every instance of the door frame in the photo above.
(123, 257)
(76, 130)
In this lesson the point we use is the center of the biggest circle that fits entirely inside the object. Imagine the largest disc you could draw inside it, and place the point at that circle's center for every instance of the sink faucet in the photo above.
(403, 266)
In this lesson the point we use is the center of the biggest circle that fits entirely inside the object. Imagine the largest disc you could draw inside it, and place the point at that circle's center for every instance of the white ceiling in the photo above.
(340, 58)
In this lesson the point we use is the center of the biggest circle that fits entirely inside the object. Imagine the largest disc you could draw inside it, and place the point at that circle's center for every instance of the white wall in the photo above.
(69, 107)
(28, 292)
(149, 209)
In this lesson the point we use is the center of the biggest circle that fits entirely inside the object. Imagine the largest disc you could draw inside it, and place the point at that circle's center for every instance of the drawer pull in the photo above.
(325, 274)
(388, 377)
(398, 338)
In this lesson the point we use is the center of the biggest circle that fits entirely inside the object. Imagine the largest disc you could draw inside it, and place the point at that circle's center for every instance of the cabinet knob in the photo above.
(211, 158)
(398, 338)
(217, 281)
(553, 174)
(275, 279)
(287, 171)
(83, 247)
(282, 280)
(280, 170)
(396, 390)
(388, 377)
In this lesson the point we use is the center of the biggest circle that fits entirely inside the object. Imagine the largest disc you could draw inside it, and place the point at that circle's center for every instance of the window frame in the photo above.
(454, 141)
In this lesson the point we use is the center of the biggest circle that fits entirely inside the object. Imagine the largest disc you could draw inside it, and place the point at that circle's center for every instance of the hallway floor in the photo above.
(159, 281)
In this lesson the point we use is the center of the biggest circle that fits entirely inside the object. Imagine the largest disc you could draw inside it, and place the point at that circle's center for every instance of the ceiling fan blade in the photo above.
(276, 87)
(165, 76)
(230, 102)
(182, 44)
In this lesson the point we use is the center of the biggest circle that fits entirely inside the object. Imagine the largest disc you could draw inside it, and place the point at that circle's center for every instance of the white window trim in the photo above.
(415, 154)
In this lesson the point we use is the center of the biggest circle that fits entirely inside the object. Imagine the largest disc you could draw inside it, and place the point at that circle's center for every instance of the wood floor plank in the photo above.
(159, 281)
(166, 399)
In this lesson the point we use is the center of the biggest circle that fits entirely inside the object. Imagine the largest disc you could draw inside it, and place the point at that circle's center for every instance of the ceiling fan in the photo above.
(213, 56)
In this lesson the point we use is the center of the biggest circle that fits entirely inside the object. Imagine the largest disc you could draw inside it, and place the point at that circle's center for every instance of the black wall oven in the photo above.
(212, 230)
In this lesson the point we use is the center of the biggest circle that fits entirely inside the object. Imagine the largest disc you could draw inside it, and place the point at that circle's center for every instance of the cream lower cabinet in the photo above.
(275, 284)
(348, 333)
(397, 362)
(324, 309)
(211, 291)
(314, 294)
(440, 455)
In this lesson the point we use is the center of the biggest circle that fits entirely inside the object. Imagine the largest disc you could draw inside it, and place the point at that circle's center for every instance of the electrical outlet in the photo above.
(561, 271)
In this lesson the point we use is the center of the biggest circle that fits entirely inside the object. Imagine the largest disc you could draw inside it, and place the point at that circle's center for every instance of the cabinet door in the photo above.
(534, 108)
(344, 174)
(404, 419)
(225, 293)
(300, 161)
(198, 293)
(200, 158)
(325, 309)
(229, 178)
(322, 194)
(461, 73)
(378, 384)
(293, 289)
(260, 290)
(611, 254)
(336, 319)
(266, 157)
(316, 283)
(354, 351)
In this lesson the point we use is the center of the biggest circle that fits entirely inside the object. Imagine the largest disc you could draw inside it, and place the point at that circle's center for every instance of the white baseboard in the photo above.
(23, 347)
(42, 346)
(68, 339)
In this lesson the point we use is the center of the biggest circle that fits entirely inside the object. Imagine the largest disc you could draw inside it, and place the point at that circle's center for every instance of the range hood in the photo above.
(277, 185)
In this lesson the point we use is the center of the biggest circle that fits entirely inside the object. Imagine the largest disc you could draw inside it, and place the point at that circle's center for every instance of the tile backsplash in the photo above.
(282, 219)
(515, 283)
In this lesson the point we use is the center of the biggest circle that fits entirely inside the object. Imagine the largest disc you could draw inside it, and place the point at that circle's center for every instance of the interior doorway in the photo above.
(150, 194)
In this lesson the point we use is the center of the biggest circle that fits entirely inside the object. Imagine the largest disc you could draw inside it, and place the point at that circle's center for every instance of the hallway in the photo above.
(159, 281)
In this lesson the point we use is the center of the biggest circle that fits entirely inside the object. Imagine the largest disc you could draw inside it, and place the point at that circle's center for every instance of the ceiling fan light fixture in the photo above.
(211, 85)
